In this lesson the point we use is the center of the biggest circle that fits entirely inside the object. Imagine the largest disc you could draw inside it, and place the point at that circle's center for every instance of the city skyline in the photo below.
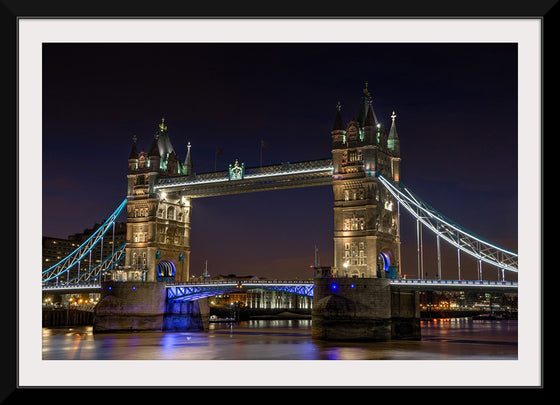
(456, 115)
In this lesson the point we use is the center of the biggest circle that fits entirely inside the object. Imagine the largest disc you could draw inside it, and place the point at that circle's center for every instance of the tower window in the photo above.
(354, 156)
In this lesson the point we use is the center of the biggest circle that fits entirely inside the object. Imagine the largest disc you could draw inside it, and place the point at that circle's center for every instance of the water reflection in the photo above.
(442, 339)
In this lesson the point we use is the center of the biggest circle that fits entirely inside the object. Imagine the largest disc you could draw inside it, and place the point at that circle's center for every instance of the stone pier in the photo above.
(363, 309)
(142, 306)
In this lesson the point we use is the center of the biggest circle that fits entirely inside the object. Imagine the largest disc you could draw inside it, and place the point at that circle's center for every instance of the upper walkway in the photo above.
(246, 180)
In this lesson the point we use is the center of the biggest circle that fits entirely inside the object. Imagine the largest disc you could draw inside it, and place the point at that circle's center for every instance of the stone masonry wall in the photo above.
(363, 309)
(128, 306)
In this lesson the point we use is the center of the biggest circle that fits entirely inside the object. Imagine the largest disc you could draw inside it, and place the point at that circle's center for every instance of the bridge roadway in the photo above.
(194, 291)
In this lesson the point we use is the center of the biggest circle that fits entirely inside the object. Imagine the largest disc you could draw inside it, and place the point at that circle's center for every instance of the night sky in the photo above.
(456, 107)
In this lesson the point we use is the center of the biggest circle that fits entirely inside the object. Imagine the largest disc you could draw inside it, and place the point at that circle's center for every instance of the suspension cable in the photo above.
(469, 243)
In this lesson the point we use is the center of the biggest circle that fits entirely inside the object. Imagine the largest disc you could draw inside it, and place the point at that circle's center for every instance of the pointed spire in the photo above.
(188, 166)
(338, 126)
(162, 126)
(366, 115)
(393, 132)
(163, 142)
(134, 151)
(371, 120)
(393, 139)
(154, 150)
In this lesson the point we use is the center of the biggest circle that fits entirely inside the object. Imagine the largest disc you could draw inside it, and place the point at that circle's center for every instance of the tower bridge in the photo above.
(368, 198)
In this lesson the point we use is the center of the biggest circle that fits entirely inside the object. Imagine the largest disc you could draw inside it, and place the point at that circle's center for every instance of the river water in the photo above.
(442, 339)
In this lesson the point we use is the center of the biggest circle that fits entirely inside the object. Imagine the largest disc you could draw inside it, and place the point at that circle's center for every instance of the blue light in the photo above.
(110, 288)
(351, 285)
(334, 286)
(133, 288)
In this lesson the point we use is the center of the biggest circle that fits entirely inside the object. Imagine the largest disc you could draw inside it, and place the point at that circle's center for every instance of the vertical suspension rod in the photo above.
(421, 253)
(459, 263)
(438, 259)
(113, 240)
(399, 237)
(418, 247)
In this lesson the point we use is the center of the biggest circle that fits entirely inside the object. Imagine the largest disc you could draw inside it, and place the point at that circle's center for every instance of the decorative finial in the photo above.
(338, 106)
(189, 145)
(162, 126)
(366, 91)
(134, 138)
(393, 116)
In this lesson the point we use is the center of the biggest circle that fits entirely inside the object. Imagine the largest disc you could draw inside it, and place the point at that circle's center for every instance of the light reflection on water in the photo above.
(443, 339)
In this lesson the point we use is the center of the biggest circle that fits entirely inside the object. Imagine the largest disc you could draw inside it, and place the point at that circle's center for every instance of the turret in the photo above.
(394, 150)
(133, 158)
(154, 156)
(393, 140)
(188, 168)
(338, 132)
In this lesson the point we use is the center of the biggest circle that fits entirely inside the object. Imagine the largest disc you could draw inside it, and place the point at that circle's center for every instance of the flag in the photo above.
(219, 151)
(264, 145)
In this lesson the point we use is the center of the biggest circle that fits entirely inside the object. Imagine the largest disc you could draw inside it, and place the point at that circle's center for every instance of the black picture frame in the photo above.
(11, 11)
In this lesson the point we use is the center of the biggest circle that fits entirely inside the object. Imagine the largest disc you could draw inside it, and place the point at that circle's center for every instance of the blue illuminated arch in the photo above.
(165, 269)
(386, 260)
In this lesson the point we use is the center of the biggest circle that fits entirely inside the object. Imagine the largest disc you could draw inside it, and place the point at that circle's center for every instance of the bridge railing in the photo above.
(236, 282)
(488, 283)
(82, 286)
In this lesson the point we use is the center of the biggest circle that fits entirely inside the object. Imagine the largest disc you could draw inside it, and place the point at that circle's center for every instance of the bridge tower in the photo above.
(366, 221)
(158, 224)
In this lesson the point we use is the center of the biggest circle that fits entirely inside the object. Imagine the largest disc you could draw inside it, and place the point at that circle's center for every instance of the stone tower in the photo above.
(366, 220)
(158, 224)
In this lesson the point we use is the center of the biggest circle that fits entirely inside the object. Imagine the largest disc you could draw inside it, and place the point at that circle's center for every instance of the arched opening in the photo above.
(384, 260)
(385, 267)
(165, 271)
